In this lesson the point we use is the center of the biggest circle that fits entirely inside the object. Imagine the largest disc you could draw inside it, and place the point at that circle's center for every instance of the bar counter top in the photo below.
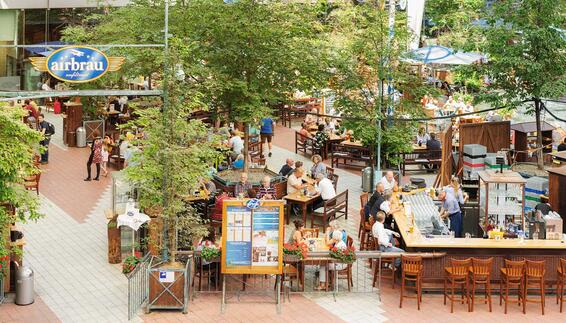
(416, 240)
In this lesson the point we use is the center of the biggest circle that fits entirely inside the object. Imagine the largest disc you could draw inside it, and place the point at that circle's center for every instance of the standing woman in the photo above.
(107, 144)
(95, 156)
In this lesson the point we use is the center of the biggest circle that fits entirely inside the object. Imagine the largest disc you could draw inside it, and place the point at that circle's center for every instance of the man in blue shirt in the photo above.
(266, 132)
(451, 209)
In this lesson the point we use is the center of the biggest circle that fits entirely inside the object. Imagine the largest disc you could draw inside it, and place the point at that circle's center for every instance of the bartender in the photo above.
(451, 210)
(544, 207)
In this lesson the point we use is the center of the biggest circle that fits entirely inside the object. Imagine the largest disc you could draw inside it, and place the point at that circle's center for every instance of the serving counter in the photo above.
(461, 248)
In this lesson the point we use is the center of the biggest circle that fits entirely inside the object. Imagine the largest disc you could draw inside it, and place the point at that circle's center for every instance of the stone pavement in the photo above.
(36, 312)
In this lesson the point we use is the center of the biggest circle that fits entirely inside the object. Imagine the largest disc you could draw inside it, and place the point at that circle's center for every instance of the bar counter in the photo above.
(462, 248)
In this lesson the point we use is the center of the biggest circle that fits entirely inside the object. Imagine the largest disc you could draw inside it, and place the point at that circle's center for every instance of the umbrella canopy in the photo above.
(443, 56)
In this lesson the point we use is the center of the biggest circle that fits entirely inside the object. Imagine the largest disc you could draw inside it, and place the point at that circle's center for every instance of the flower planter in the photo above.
(114, 243)
(291, 258)
(168, 287)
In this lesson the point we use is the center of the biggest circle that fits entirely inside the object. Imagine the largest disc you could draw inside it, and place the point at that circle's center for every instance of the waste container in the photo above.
(24, 286)
(366, 180)
(81, 137)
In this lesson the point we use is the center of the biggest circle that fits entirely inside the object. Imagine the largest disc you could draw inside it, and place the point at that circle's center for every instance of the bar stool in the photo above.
(480, 274)
(412, 267)
(534, 277)
(457, 275)
(561, 280)
(513, 276)
(387, 265)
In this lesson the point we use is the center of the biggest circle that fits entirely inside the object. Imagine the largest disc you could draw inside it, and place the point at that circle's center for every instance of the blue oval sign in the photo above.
(77, 64)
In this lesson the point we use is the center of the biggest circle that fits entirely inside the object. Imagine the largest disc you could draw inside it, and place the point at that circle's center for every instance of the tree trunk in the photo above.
(540, 160)
(246, 147)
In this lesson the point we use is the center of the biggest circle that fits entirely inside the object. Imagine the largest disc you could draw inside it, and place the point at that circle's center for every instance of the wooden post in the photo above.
(114, 243)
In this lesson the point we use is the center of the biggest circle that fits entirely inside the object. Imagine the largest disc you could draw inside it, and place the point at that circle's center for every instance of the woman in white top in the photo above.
(422, 137)
(455, 189)
(337, 242)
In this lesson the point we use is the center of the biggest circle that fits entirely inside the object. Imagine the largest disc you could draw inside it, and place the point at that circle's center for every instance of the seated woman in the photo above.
(297, 235)
(422, 137)
(336, 241)
(304, 131)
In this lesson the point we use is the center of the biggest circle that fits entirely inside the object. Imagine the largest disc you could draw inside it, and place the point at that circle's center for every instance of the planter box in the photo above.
(114, 244)
(168, 287)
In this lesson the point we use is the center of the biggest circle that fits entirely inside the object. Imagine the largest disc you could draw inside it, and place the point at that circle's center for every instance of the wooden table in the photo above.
(304, 201)
(356, 143)
(417, 147)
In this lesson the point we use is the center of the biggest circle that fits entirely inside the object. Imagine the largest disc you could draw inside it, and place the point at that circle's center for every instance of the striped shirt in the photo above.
(266, 190)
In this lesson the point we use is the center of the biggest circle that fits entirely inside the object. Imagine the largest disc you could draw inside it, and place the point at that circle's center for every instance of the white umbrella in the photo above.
(133, 219)
(443, 56)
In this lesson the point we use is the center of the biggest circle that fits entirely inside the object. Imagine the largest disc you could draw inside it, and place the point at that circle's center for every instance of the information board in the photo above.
(252, 239)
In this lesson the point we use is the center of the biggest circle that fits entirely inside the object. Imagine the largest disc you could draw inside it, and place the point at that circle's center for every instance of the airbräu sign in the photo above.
(77, 64)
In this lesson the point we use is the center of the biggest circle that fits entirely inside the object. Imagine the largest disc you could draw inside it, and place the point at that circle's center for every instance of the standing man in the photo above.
(451, 210)
(266, 132)
(47, 130)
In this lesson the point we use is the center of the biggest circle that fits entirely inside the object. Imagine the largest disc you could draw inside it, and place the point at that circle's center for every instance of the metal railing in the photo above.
(138, 286)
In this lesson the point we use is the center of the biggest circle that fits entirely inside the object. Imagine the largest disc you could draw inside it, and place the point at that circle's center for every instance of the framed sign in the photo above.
(252, 238)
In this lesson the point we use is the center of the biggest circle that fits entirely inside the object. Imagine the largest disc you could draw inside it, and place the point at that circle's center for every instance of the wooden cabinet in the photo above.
(72, 119)
(557, 192)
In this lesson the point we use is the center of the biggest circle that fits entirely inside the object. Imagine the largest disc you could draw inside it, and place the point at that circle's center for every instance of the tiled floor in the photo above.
(36, 312)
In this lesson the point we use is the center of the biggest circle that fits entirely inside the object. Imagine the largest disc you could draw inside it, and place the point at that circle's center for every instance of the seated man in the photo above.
(266, 191)
(235, 143)
(385, 207)
(324, 188)
(376, 197)
(243, 185)
(385, 237)
(239, 162)
(433, 144)
(295, 182)
(389, 182)
(543, 207)
(287, 168)
(562, 146)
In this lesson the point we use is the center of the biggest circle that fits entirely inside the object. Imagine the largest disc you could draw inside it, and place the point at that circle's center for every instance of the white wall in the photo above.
(40, 4)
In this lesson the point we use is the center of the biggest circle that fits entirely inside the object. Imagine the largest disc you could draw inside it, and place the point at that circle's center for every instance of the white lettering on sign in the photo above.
(72, 65)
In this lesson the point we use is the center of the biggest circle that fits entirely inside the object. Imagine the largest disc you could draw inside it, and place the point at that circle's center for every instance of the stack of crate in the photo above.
(491, 162)
(474, 160)
(535, 187)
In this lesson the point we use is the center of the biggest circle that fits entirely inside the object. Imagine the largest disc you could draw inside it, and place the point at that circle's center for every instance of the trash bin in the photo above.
(24, 286)
(366, 180)
(81, 137)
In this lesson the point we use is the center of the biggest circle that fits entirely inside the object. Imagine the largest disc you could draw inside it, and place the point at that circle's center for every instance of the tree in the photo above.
(527, 55)
(252, 54)
(366, 58)
(17, 145)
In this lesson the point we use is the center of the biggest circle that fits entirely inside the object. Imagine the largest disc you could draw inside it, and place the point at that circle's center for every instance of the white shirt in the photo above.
(423, 139)
(326, 189)
(293, 181)
(383, 235)
(387, 185)
(385, 206)
(45, 87)
(237, 144)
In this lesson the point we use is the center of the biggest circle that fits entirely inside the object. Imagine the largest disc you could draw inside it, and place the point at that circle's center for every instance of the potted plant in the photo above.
(346, 256)
(130, 263)
(210, 254)
(294, 252)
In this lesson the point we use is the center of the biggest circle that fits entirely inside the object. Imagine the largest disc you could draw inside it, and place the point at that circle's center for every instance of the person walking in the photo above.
(266, 132)
(107, 144)
(47, 130)
(95, 156)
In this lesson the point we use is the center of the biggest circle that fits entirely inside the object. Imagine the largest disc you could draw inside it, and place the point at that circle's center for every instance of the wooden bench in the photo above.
(304, 144)
(351, 156)
(332, 209)
(420, 157)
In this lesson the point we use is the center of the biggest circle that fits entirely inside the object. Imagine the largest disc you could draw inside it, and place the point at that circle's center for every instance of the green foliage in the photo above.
(526, 51)
(209, 253)
(17, 144)
(130, 264)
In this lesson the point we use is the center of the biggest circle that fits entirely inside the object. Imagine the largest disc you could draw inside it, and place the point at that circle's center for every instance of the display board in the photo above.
(252, 238)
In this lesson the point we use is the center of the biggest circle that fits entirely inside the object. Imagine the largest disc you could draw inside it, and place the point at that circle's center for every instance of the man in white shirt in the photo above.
(385, 237)
(324, 187)
(236, 143)
(294, 181)
(389, 182)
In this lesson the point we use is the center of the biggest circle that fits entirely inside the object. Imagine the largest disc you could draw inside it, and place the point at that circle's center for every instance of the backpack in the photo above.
(50, 129)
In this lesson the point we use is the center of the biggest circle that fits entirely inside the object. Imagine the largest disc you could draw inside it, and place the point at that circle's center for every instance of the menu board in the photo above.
(252, 238)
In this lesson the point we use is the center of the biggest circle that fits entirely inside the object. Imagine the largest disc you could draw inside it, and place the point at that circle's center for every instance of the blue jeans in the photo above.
(45, 154)
(392, 249)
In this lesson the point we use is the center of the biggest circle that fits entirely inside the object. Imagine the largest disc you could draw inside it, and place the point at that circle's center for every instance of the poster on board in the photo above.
(253, 238)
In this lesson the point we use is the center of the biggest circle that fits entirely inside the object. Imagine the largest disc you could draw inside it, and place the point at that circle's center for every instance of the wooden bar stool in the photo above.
(480, 274)
(534, 277)
(560, 280)
(513, 276)
(412, 267)
(457, 275)
(387, 266)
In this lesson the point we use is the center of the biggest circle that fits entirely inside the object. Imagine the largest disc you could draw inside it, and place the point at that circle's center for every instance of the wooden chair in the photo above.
(412, 267)
(332, 209)
(364, 197)
(31, 183)
(512, 276)
(457, 276)
(560, 281)
(534, 277)
(366, 242)
(207, 271)
(480, 274)
(115, 158)
(313, 232)
(386, 265)
(345, 273)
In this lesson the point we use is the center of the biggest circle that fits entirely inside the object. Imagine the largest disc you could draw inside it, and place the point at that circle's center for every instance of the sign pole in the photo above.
(278, 297)
(223, 300)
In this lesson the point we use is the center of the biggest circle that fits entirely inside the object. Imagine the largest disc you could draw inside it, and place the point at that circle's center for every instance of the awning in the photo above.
(45, 48)
(442, 56)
